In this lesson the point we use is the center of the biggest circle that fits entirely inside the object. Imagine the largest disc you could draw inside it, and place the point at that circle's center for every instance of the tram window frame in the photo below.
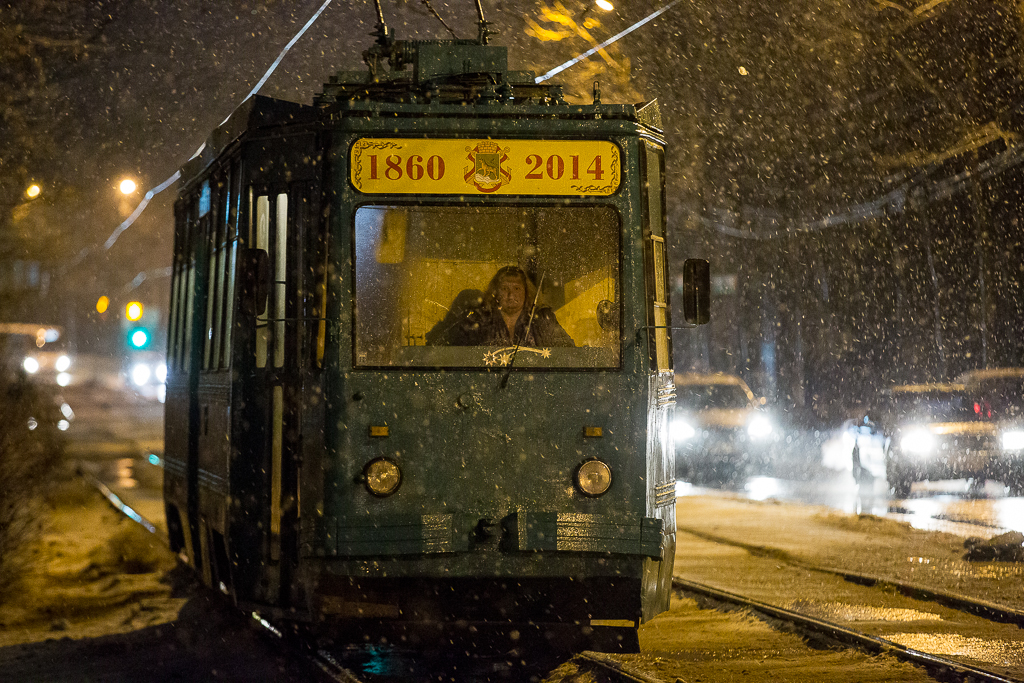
(277, 217)
(219, 236)
(234, 205)
(604, 353)
(652, 168)
(174, 317)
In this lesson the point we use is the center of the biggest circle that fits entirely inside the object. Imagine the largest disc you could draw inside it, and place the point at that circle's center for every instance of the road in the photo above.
(810, 471)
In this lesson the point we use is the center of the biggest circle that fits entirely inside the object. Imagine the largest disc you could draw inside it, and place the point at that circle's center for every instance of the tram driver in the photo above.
(507, 314)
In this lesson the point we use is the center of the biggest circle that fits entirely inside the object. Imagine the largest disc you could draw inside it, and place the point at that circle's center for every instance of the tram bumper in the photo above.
(523, 531)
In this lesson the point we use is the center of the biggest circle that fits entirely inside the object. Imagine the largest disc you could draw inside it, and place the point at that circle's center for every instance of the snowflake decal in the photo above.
(503, 356)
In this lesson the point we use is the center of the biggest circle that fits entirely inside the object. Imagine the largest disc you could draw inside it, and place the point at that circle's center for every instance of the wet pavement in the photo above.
(958, 507)
(117, 438)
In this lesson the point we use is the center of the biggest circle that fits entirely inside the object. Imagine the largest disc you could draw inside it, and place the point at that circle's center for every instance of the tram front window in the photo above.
(464, 286)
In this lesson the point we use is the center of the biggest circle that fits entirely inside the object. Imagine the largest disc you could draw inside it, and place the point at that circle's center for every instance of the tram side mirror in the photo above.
(696, 291)
(255, 281)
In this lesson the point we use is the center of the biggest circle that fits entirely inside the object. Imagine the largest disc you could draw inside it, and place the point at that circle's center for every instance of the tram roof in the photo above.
(256, 112)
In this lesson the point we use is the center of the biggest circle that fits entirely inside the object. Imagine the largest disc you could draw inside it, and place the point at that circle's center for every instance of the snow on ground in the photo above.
(105, 601)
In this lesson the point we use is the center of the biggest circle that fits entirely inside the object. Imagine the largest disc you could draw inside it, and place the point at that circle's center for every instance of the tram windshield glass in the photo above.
(457, 286)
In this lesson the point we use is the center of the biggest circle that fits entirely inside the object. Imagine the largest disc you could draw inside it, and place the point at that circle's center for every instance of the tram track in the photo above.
(939, 667)
(320, 663)
(981, 608)
(611, 669)
(325, 666)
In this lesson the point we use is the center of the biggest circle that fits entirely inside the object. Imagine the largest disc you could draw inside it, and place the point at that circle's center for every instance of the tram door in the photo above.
(271, 367)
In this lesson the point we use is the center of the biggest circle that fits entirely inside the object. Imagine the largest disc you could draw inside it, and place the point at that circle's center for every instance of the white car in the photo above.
(720, 432)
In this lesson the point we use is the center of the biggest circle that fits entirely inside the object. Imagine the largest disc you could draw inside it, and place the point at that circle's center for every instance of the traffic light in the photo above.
(133, 311)
(139, 337)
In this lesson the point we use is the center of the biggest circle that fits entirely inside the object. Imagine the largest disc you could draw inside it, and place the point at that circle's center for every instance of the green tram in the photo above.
(356, 430)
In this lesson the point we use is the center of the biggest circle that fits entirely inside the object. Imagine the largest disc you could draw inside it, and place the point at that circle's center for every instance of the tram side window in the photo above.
(426, 286)
(221, 252)
(271, 231)
(183, 300)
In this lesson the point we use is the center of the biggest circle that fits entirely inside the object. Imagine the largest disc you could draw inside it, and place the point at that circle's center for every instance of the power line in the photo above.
(127, 223)
(559, 69)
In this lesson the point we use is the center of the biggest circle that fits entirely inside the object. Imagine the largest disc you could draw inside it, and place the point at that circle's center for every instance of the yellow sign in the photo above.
(475, 166)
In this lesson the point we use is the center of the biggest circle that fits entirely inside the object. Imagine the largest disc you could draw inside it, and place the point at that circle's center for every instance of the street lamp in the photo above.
(127, 186)
(32, 191)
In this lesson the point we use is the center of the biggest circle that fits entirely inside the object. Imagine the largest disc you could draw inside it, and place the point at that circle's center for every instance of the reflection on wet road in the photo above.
(955, 507)
(983, 650)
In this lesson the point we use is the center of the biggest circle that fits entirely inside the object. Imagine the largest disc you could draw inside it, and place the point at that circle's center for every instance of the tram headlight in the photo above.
(382, 477)
(918, 441)
(1012, 440)
(593, 478)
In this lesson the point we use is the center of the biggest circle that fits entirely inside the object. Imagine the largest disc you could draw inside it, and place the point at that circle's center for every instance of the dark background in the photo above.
(850, 169)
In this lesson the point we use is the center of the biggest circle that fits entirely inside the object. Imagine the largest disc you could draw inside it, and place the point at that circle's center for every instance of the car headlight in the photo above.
(31, 365)
(1012, 440)
(593, 478)
(140, 374)
(918, 441)
(62, 364)
(759, 427)
(682, 430)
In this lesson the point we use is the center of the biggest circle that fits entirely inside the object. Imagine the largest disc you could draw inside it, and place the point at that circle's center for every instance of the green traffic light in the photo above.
(138, 338)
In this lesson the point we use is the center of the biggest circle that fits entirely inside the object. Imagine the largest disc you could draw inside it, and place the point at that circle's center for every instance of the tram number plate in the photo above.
(473, 166)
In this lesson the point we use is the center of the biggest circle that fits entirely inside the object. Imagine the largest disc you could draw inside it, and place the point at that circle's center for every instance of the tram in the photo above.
(345, 444)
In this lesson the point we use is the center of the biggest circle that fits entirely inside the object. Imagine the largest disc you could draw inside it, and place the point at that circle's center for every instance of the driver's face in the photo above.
(511, 295)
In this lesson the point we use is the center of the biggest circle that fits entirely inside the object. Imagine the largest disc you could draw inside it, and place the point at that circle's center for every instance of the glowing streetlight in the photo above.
(32, 191)
(605, 5)
(127, 186)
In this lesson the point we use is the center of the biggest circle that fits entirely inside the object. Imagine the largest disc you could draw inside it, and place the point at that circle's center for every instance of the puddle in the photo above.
(837, 611)
(1002, 652)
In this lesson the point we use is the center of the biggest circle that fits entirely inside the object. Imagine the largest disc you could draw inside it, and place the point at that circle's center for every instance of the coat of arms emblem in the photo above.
(486, 172)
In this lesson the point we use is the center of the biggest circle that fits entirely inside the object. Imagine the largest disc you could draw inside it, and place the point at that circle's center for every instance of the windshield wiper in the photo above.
(526, 334)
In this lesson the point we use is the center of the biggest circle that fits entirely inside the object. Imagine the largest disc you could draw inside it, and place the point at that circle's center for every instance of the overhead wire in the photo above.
(127, 223)
(597, 48)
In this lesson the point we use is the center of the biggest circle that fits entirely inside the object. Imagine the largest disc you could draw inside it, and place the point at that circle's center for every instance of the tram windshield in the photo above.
(457, 286)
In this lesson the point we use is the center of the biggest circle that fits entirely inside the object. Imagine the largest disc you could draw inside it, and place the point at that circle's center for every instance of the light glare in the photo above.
(31, 365)
(605, 5)
(140, 374)
(1013, 440)
(918, 440)
(133, 310)
(682, 430)
(127, 186)
(759, 427)
(33, 191)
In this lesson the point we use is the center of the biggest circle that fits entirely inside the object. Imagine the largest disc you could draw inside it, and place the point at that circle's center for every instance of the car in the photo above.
(721, 434)
(145, 372)
(938, 431)
(999, 392)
